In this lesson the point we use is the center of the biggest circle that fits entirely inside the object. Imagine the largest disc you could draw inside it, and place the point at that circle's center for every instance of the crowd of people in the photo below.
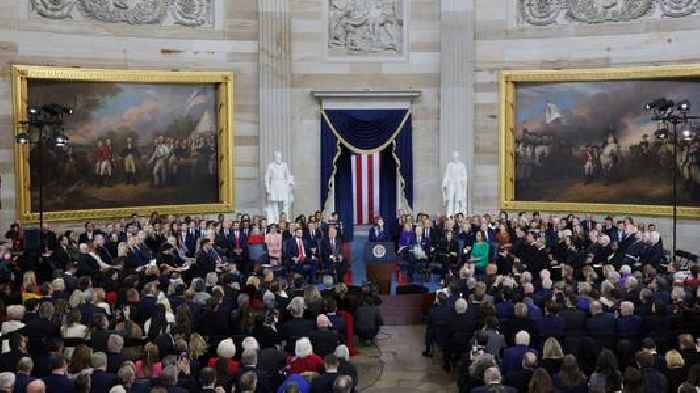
(172, 304)
(181, 304)
(560, 304)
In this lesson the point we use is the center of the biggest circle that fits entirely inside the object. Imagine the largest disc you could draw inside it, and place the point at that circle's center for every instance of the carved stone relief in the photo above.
(553, 12)
(135, 12)
(366, 28)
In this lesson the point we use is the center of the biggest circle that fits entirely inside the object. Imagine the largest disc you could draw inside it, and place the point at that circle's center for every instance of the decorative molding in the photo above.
(405, 94)
(561, 12)
(366, 29)
(193, 13)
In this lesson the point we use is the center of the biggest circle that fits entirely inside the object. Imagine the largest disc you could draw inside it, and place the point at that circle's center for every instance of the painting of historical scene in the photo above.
(593, 142)
(132, 144)
(366, 28)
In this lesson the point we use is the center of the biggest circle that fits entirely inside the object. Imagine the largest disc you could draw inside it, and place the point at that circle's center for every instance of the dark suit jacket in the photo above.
(377, 236)
(205, 264)
(327, 250)
(38, 331)
(550, 326)
(87, 265)
(513, 356)
(102, 381)
(485, 389)
(323, 383)
(21, 382)
(292, 250)
(58, 383)
(519, 379)
(574, 321)
(628, 327)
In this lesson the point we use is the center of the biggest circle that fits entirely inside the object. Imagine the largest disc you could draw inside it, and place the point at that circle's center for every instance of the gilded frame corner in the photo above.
(225, 82)
(507, 84)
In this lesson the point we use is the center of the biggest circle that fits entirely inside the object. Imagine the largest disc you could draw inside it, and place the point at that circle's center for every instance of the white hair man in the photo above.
(513, 356)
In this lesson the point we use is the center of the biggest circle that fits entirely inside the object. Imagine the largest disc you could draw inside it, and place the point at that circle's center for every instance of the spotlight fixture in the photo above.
(57, 110)
(661, 133)
(659, 105)
(687, 135)
(684, 106)
(60, 139)
(22, 138)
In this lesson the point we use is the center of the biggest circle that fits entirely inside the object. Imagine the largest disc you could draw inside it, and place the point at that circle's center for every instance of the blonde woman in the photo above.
(30, 290)
(150, 366)
(675, 369)
(552, 356)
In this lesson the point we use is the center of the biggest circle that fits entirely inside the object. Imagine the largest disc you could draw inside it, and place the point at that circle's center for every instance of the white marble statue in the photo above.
(278, 184)
(454, 186)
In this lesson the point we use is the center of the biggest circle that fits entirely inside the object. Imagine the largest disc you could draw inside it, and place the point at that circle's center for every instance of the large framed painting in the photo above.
(582, 140)
(140, 141)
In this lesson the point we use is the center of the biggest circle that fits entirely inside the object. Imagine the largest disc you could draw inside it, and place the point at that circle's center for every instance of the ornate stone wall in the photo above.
(226, 40)
(633, 37)
(135, 12)
(552, 12)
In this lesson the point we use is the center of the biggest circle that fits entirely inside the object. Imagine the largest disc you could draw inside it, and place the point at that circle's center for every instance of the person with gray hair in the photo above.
(36, 386)
(249, 360)
(296, 327)
(628, 326)
(345, 367)
(23, 376)
(115, 344)
(102, 380)
(493, 383)
(7, 382)
(512, 357)
(601, 325)
(343, 384)
(520, 378)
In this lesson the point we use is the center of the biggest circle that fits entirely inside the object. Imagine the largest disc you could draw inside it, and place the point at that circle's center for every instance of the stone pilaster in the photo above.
(274, 73)
(457, 60)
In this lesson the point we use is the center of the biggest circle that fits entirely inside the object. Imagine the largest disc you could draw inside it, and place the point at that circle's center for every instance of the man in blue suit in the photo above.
(378, 233)
(601, 325)
(513, 356)
(57, 381)
(23, 376)
(101, 380)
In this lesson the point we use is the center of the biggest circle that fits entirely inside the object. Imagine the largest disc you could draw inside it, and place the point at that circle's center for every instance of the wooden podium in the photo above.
(381, 261)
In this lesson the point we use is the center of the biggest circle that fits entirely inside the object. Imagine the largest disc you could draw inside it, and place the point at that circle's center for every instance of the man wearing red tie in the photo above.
(302, 260)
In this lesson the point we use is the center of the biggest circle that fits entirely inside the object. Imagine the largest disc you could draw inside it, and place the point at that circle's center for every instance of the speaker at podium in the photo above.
(381, 261)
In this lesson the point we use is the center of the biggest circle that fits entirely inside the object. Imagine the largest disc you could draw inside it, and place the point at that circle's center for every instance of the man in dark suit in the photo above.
(89, 234)
(239, 248)
(588, 224)
(551, 325)
(300, 258)
(324, 382)
(601, 326)
(312, 235)
(23, 376)
(513, 356)
(222, 239)
(57, 381)
(206, 258)
(378, 233)
(101, 250)
(332, 254)
(520, 378)
(101, 380)
(574, 325)
(188, 239)
(493, 383)
(40, 329)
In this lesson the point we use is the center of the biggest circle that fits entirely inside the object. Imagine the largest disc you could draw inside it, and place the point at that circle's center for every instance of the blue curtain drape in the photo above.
(365, 130)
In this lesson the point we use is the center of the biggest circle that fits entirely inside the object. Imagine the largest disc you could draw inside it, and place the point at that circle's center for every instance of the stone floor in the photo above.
(397, 365)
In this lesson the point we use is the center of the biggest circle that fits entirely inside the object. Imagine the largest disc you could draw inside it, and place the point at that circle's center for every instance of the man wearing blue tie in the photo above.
(377, 234)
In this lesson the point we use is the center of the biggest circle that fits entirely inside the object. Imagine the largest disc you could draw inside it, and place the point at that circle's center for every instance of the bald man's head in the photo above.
(36, 386)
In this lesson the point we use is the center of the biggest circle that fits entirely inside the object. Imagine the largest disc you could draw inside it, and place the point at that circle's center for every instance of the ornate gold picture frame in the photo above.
(141, 141)
(580, 140)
